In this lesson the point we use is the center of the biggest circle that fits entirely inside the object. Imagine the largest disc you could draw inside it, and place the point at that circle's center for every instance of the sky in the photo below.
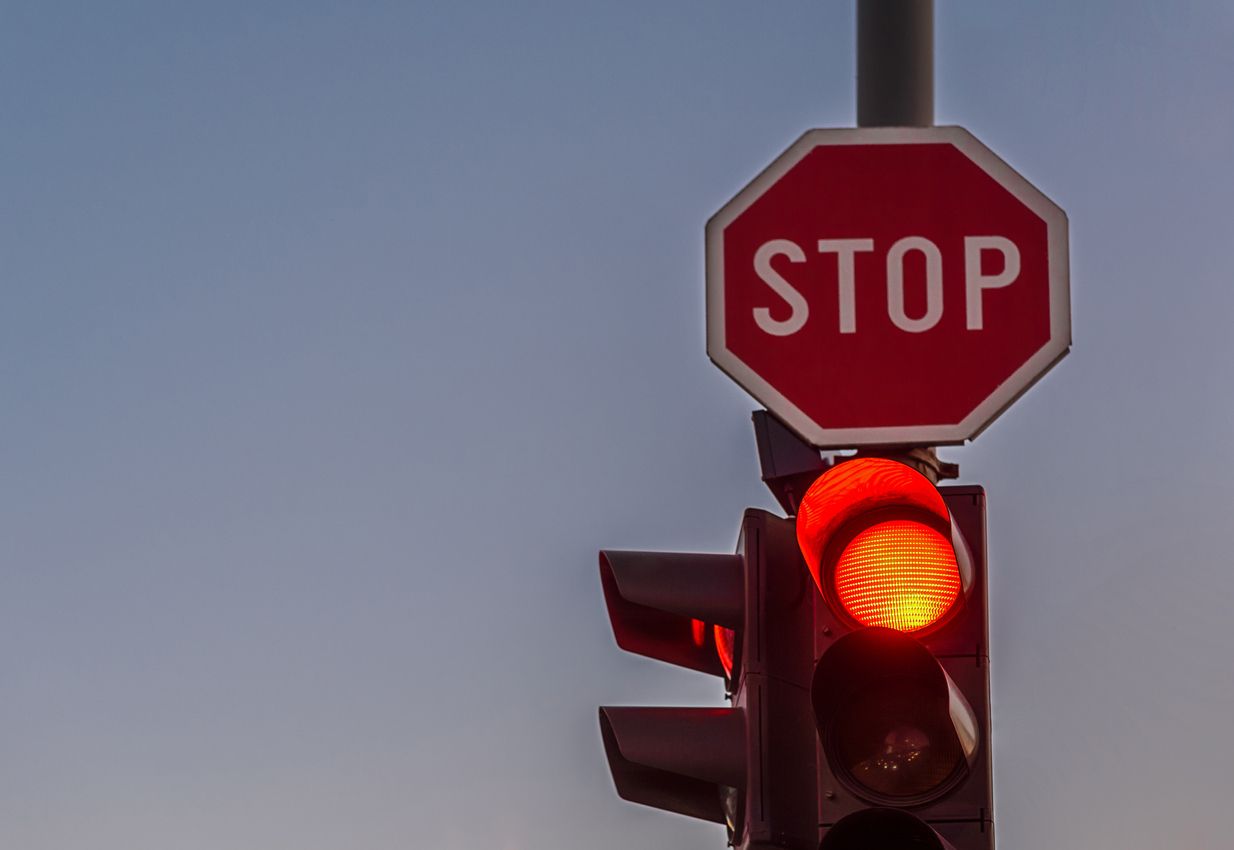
(335, 339)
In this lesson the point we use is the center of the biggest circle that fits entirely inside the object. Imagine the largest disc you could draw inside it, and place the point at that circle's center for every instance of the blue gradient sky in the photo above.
(336, 338)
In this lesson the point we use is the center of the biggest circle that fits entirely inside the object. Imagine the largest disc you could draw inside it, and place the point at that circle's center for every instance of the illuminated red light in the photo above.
(726, 641)
(698, 630)
(879, 542)
(899, 574)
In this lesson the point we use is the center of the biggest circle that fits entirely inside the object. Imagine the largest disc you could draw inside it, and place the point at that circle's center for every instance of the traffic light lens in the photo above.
(726, 648)
(899, 574)
(896, 742)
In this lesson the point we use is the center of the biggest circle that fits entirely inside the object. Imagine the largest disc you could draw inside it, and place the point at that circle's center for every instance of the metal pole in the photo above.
(895, 88)
(895, 63)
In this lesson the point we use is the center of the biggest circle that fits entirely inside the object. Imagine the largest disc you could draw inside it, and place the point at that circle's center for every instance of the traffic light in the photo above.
(747, 618)
(859, 700)
(900, 688)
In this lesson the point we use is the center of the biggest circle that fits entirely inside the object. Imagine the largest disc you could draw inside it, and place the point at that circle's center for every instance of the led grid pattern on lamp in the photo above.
(899, 574)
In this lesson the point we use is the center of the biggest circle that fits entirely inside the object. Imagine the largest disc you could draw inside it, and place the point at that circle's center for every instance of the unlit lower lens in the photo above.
(896, 741)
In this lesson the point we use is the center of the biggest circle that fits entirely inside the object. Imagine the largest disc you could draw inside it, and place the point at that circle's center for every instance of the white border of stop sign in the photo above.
(781, 291)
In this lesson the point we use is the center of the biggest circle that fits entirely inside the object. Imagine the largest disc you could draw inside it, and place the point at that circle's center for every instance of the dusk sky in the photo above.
(335, 339)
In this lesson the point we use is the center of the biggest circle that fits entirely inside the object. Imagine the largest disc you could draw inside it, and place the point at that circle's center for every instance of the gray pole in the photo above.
(895, 63)
(895, 88)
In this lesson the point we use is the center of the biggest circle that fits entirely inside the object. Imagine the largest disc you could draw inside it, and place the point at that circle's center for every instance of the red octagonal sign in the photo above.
(887, 286)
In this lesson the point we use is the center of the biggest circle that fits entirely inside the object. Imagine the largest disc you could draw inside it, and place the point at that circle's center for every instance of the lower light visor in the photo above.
(894, 727)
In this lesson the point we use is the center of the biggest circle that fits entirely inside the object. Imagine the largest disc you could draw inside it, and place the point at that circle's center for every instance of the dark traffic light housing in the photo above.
(852, 641)
(902, 712)
(748, 618)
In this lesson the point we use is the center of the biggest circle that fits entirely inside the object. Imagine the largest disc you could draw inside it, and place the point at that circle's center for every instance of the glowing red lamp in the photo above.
(880, 544)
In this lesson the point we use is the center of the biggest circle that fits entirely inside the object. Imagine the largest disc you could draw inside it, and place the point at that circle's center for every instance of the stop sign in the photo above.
(887, 286)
